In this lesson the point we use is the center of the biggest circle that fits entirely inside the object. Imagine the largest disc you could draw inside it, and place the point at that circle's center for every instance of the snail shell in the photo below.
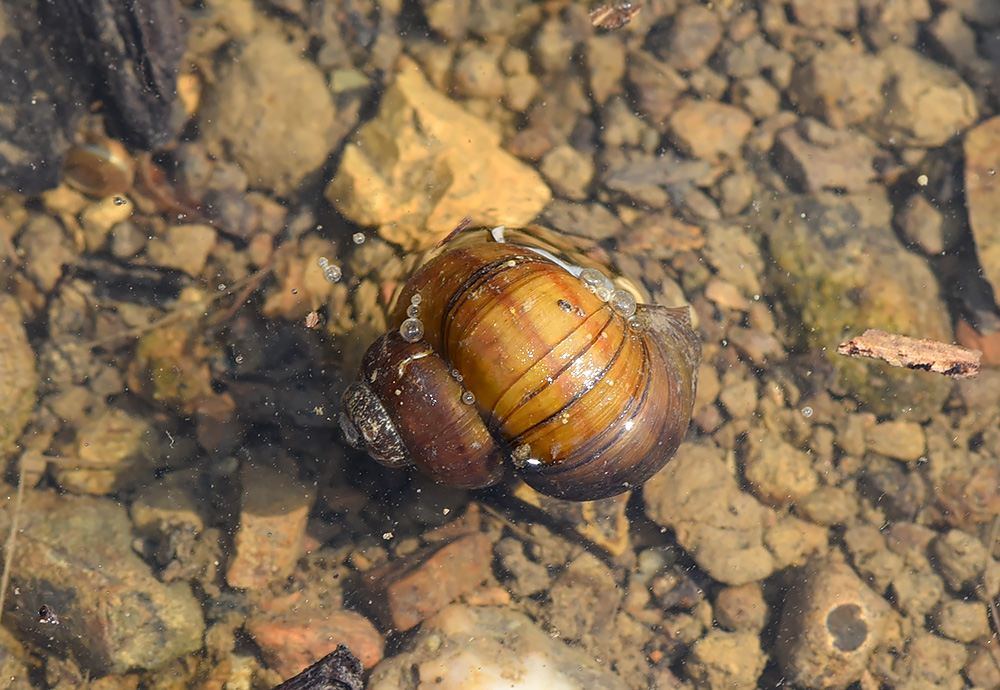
(502, 353)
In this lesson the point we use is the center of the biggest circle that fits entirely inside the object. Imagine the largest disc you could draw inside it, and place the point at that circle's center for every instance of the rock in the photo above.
(841, 15)
(928, 661)
(419, 134)
(815, 157)
(742, 608)
(593, 221)
(961, 558)
(900, 440)
(602, 522)
(778, 472)
(921, 224)
(654, 85)
(292, 640)
(892, 488)
(725, 660)
(477, 75)
(757, 96)
(115, 452)
(925, 104)
(586, 578)
(605, 60)
(406, 592)
(792, 541)
(527, 576)
(13, 662)
(828, 505)
(841, 85)
(694, 36)
(982, 189)
(876, 284)
(462, 648)
(916, 592)
(867, 548)
(719, 525)
(184, 247)
(830, 624)
(75, 555)
(18, 376)
(274, 509)
(568, 171)
(272, 113)
(962, 621)
(709, 130)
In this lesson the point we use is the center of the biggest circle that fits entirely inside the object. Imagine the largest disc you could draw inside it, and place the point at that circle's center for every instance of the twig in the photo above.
(9, 557)
(911, 353)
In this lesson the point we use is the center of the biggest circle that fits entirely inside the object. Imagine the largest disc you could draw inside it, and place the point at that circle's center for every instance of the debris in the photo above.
(911, 353)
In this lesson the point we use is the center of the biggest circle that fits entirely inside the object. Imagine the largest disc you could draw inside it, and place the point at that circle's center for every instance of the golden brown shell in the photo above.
(586, 399)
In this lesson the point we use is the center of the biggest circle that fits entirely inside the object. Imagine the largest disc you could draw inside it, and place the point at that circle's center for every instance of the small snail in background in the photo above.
(502, 353)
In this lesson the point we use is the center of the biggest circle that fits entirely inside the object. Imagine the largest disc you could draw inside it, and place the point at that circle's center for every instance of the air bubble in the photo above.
(592, 278)
(412, 311)
(468, 398)
(415, 299)
(623, 303)
(358, 238)
(411, 330)
(603, 293)
(455, 375)
(119, 201)
(331, 272)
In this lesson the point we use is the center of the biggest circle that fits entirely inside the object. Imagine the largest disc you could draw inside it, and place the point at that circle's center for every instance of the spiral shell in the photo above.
(520, 358)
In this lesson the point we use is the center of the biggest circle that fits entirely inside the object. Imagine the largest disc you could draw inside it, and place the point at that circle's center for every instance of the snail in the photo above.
(502, 353)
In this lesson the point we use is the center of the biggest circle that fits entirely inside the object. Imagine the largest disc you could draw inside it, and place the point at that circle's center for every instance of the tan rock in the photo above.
(719, 525)
(710, 130)
(272, 112)
(292, 640)
(273, 515)
(18, 377)
(424, 163)
(982, 190)
(830, 625)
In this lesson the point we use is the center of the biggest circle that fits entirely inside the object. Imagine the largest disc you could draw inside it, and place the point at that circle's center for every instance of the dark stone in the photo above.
(58, 57)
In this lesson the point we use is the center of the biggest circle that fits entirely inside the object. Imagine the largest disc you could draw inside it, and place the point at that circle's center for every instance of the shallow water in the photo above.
(187, 302)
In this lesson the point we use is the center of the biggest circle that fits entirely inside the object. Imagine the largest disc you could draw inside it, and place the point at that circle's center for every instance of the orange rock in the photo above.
(293, 640)
(989, 344)
(405, 592)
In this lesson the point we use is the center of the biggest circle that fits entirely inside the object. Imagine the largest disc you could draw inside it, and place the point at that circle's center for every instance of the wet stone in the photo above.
(810, 234)
(982, 184)
(292, 640)
(923, 225)
(718, 524)
(694, 36)
(586, 578)
(251, 110)
(464, 648)
(115, 451)
(962, 621)
(184, 247)
(916, 592)
(815, 157)
(420, 134)
(725, 660)
(742, 608)
(18, 377)
(75, 555)
(900, 440)
(840, 85)
(926, 104)
(830, 624)
(836, 14)
(709, 130)
(526, 576)
(406, 592)
(778, 472)
(960, 558)
(568, 171)
(274, 509)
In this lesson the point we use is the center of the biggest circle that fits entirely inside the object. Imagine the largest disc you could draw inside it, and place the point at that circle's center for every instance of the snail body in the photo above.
(502, 353)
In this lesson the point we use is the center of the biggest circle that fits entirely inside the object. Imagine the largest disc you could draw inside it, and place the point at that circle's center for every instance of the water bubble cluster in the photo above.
(331, 272)
(622, 301)
(412, 329)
